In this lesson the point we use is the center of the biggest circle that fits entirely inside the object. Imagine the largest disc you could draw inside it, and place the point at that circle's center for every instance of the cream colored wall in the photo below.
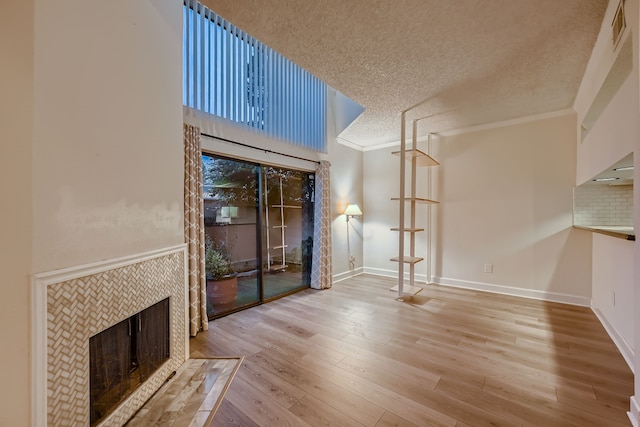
(615, 134)
(506, 200)
(599, 65)
(633, 22)
(612, 299)
(381, 183)
(94, 171)
(16, 138)
(634, 19)
(346, 188)
(107, 154)
(222, 128)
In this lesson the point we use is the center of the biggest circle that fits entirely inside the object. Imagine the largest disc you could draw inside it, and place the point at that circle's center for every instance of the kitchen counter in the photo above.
(627, 233)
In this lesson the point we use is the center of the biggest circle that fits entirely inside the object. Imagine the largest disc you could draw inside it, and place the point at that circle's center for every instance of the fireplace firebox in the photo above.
(123, 356)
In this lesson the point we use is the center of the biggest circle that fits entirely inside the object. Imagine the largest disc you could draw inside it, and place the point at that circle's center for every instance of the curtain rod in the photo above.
(259, 149)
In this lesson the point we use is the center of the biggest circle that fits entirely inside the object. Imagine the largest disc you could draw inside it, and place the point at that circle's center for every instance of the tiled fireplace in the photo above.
(72, 305)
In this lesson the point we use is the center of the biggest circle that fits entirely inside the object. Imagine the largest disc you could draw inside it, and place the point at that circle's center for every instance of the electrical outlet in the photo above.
(488, 268)
(613, 298)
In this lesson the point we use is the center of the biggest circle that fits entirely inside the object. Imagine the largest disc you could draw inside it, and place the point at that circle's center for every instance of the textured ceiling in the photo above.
(466, 62)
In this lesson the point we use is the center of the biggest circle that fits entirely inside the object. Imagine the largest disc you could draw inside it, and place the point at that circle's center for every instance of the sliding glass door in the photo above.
(231, 221)
(287, 230)
(258, 232)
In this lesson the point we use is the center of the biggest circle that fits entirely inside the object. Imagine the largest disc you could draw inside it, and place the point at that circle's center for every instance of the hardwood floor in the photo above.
(354, 356)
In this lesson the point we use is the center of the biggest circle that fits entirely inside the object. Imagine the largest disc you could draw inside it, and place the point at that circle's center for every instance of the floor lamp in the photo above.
(351, 210)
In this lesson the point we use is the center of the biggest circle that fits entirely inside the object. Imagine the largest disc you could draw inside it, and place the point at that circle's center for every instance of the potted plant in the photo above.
(222, 280)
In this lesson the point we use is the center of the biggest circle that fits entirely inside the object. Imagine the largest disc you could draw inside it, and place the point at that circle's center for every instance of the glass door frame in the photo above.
(284, 204)
(258, 235)
(260, 206)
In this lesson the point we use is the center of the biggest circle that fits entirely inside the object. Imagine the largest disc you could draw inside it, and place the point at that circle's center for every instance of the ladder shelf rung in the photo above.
(407, 259)
(417, 200)
(422, 158)
(287, 206)
(279, 247)
(407, 289)
(408, 229)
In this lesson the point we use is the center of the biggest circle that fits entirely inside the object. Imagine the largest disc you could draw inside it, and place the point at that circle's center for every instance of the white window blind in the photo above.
(230, 74)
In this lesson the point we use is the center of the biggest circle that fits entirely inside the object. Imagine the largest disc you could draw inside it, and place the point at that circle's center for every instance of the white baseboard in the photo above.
(339, 277)
(634, 412)
(489, 287)
(518, 292)
(622, 344)
(422, 278)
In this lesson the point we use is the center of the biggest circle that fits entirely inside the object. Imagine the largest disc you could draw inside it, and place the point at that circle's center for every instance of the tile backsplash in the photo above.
(603, 205)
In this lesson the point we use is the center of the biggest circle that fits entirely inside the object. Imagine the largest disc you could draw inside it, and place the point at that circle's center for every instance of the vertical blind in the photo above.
(228, 73)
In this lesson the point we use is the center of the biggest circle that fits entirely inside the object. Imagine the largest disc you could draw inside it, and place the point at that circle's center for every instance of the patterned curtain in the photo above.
(321, 265)
(194, 229)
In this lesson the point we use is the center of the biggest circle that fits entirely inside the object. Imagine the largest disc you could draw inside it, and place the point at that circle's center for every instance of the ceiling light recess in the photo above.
(605, 179)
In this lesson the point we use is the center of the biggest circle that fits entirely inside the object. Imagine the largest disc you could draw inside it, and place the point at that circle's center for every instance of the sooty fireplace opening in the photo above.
(125, 355)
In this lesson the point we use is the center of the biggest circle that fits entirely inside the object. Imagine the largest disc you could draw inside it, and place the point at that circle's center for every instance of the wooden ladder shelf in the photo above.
(415, 158)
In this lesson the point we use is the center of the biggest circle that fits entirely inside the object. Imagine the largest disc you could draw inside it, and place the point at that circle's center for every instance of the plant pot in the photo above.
(223, 290)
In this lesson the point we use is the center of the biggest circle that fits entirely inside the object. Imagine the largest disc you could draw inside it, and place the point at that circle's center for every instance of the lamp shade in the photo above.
(353, 210)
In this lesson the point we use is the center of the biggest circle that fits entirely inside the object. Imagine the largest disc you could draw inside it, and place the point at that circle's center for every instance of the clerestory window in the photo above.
(230, 74)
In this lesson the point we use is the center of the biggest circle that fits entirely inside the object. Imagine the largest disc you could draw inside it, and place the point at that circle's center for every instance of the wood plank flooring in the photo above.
(354, 356)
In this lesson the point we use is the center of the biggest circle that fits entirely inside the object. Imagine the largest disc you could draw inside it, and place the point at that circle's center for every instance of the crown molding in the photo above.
(505, 123)
(476, 128)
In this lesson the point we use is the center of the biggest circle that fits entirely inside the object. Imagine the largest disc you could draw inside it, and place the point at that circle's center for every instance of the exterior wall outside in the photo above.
(16, 134)
(603, 205)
